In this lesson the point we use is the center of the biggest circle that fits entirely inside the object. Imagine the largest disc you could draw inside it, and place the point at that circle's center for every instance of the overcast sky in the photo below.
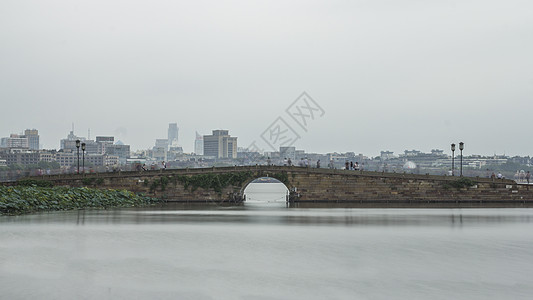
(389, 75)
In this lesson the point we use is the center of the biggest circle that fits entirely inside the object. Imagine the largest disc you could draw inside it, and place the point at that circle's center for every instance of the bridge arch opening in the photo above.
(265, 190)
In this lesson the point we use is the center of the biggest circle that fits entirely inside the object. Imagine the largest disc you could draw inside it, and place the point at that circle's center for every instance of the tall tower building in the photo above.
(199, 144)
(172, 134)
(220, 144)
(33, 138)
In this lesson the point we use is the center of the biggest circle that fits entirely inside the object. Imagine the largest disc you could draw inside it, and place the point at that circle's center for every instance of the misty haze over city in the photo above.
(389, 75)
(301, 149)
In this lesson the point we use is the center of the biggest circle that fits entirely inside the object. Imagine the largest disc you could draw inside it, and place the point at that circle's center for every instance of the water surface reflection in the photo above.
(281, 214)
(255, 251)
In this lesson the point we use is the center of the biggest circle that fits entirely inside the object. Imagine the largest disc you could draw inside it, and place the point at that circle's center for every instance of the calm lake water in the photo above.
(268, 251)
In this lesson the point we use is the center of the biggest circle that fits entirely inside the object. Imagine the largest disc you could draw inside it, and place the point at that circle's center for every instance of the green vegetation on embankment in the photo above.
(20, 199)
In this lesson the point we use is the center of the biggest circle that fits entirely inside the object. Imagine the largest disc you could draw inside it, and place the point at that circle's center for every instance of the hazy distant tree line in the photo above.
(508, 167)
(44, 165)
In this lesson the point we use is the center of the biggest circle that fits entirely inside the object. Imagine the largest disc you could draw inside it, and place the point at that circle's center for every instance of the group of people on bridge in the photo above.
(522, 176)
(304, 162)
(352, 166)
(153, 166)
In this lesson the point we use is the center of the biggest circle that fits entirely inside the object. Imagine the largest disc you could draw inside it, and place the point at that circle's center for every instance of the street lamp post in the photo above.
(461, 147)
(453, 157)
(78, 146)
(83, 156)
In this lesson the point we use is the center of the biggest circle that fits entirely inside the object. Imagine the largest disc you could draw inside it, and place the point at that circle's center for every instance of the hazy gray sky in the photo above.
(389, 75)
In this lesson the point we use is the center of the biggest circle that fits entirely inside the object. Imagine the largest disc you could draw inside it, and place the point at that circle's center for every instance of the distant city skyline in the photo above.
(194, 143)
(388, 75)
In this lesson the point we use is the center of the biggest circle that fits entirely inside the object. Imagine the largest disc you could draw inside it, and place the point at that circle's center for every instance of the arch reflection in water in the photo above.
(266, 190)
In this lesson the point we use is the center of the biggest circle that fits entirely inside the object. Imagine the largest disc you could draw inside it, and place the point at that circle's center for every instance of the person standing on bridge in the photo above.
(528, 176)
(318, 164)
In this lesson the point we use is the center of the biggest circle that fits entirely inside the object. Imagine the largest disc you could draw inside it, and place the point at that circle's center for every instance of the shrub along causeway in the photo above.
(39, 195)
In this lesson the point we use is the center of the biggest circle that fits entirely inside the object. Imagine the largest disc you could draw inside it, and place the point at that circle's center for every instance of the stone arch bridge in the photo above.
(226, 184)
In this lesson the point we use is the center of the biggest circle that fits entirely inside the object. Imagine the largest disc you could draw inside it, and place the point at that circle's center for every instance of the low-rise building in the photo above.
(47, 156)
(24, 157)
(68, 159)
(386, 155)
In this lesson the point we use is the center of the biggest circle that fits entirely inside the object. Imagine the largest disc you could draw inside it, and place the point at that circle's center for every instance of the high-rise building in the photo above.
(172, 134)
(220, 144)
(70, 141)
(120, 151)
(91, 147)
(103, 142)
(160, 150)
(159, 153)
(17, 141)
(161, 143)
(33, 138)
(28, 140)
(199, 144)
(105, 139)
